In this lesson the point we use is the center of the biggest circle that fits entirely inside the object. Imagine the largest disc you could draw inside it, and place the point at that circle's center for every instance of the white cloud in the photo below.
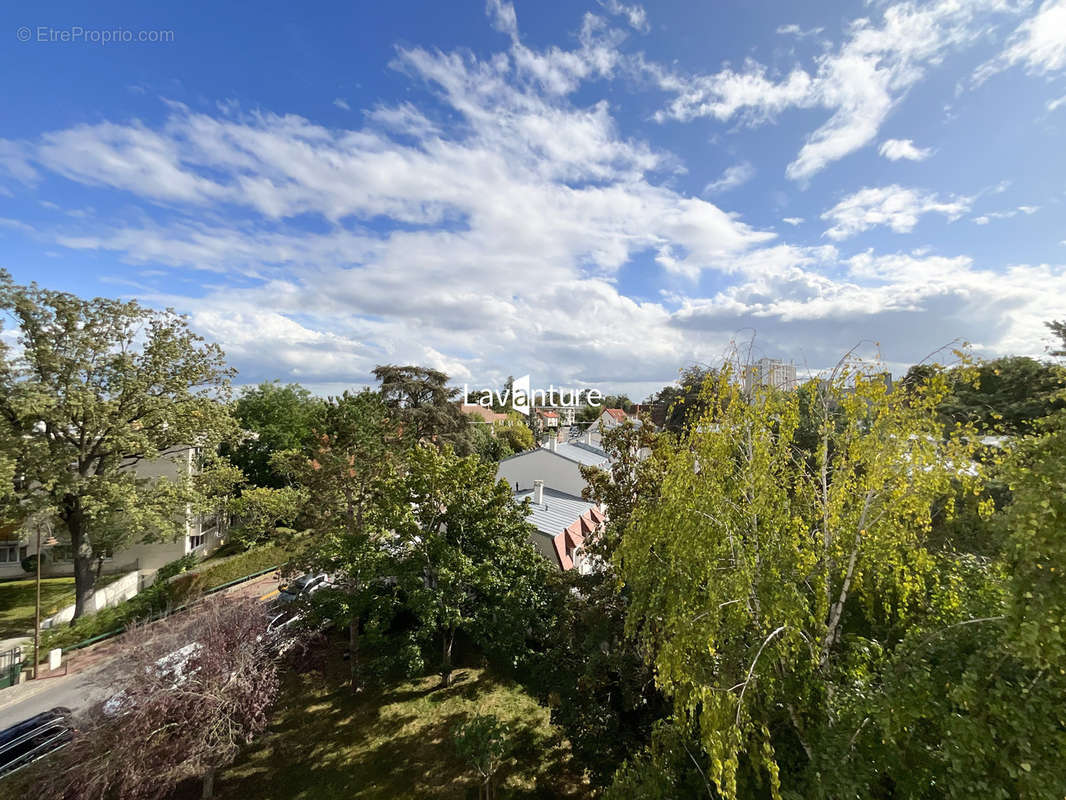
(634, 14)
(484, 230)
(1039, 44)
(342, 104)
(733, 177)
(987, 217)
(859, 82)
(895, 149)
(1057, 103)
(797, 31)
(894, 206)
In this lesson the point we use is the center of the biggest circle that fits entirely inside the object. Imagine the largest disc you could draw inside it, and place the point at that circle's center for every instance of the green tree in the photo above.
(349, 479)
(470, 565)
(762, 583)
(273, 418)
(687, 400)
(483, 742)
(93, 388)
(1058, 329)
(425, 406)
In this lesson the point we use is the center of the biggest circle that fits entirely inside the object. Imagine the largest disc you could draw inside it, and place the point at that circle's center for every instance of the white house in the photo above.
(557, 465)
(564, 523)
(199, 535)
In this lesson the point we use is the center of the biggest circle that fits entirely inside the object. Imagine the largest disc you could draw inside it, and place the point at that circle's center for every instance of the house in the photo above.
(201, 535)
(548, 418)
(563, 524)
(565, 414)
(483, 413)
(558, 465)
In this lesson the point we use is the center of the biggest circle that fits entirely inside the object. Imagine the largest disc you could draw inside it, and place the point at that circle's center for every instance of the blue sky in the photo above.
(593, 193)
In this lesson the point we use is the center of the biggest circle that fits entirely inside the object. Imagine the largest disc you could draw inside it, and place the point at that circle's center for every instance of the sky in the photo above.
(593, 193)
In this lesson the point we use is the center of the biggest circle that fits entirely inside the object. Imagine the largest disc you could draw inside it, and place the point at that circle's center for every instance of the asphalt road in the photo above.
(83, 688)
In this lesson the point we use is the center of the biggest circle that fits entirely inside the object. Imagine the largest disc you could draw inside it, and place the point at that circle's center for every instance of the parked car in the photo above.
(34, 738)
(303, 587)
(171, 667)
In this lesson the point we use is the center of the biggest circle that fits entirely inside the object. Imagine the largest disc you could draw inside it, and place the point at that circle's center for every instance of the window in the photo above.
(63, 552)
(9, 552)
(196, 541)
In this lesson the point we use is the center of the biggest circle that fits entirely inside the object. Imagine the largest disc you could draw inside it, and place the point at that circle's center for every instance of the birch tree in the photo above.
(768, 573)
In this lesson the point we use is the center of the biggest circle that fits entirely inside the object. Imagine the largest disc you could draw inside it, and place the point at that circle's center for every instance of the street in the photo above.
(88, 684)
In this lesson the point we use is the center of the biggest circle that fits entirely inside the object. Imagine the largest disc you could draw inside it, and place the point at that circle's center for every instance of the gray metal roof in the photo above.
(582, 453)
(557, 513)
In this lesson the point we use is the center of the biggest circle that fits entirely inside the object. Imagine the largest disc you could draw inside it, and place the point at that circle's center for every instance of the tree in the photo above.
(189, 693)
(469, 562)
(425, 406)
(273, 418)
(1058, 329)
(597, 681)
(94, 387)
(685, 401)
(483, 742)
(350, 480)
(762, 585)
(1004, 395)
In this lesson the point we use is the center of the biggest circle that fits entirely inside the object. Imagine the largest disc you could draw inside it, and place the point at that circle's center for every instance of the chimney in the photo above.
(552, 442)
(538, 493)
(587, 438)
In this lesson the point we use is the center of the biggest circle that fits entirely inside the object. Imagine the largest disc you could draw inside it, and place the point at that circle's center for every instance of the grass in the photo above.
(396, 742)
(17, 601)
(163, 594)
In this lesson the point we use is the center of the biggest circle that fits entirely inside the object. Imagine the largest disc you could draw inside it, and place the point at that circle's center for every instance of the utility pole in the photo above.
(37, 609)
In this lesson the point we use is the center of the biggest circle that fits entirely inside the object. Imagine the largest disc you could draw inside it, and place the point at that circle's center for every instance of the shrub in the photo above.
(176, 583)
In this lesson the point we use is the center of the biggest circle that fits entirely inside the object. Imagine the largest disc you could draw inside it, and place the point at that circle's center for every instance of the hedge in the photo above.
(176, 583)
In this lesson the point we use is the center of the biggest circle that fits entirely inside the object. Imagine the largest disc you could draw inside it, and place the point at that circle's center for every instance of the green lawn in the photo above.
(17, 600)
(396, 743)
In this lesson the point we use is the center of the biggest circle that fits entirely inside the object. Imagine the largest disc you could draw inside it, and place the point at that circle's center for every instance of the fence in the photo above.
(10, 667)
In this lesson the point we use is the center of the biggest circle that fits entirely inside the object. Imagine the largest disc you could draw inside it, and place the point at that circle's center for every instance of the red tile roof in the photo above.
(617, 413)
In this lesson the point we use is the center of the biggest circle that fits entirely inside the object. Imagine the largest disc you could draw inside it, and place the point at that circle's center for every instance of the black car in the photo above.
(34, 738)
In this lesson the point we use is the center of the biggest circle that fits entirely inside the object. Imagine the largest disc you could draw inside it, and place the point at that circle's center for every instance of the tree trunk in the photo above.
(353, 649)
(84, 580)
(209, 784)
(446, 660)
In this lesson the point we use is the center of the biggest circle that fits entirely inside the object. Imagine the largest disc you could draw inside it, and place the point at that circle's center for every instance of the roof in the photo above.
(617, 413)
(485, 413)
(558, 511)
(544, 413)
(582, 453)
(566, 521)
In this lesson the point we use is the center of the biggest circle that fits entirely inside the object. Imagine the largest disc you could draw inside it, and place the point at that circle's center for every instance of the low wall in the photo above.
(114, 593)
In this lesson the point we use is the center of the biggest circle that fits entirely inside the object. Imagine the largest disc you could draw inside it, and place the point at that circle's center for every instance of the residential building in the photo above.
(548, 419)
(770, 372)
(483, 413)
(200, 535)
(564, 524)
(565, 414)
(558, 465)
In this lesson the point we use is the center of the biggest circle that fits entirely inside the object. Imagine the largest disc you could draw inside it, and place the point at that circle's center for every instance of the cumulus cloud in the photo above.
(734, 176)
(895, 149)
(487, 225)
(894, 206)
